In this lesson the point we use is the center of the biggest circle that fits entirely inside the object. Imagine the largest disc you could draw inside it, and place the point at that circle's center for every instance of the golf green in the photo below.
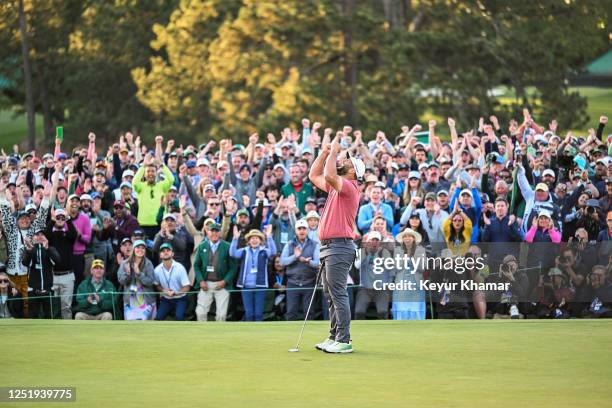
(421, 364)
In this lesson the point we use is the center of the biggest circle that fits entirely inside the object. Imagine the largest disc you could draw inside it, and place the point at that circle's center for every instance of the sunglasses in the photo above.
(4, 281)
(60, 218)
(214, 204)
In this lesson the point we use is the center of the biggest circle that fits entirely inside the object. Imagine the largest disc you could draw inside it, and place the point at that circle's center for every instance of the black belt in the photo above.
(59, 273)
(332, 240)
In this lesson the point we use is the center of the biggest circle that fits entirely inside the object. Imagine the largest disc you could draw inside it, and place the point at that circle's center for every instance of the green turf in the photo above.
(397, 364)
(14, 129)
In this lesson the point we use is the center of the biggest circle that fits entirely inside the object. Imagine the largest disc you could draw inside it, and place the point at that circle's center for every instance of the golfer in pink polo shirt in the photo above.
(336, 232)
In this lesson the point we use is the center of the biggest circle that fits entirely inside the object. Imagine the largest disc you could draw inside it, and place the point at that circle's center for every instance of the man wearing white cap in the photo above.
(536, 200)
(337, 233)
(301, 257)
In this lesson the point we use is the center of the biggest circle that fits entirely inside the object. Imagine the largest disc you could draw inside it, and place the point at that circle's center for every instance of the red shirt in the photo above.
(340, 211)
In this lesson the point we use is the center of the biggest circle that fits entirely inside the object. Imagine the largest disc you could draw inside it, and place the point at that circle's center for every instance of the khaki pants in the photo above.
(101, 316)
(205, 299)
(64, 287)
(21, 284)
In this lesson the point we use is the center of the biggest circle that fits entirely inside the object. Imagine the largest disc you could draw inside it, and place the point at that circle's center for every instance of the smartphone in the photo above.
(59, 133)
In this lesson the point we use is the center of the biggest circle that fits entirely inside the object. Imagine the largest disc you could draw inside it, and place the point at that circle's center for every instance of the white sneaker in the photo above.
(338, 347)
(514, 312)
(322, 345)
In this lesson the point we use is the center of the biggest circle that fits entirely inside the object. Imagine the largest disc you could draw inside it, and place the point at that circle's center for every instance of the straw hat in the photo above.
(409, 231)
(255, 233)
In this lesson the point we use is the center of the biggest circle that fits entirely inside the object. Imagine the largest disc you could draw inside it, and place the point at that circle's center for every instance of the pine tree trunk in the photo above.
(27, 74)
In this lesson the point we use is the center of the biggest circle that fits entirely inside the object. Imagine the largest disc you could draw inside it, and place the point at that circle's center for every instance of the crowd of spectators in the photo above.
(231, 231)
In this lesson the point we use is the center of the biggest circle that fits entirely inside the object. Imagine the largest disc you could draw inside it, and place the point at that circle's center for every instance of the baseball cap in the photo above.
(62, 156)
(166, 246)
(359, 167)
(169, 215)
(214, 226)
(442, 192)
(119, 203)
(202, 162)
(60, 211)
(542, 187)
(380, 184)
(30, 207)
(127, 173)
(433, 164)
(138, 233)
(242, 211)
(97, 263)
(312, 214)
(311, 200)
(139, 242)
(72, 196)
(548, 172)
(126, 239)
(86, 197)
(509, 258)
(301, 223)
(374, 235)
(209, 187)
(545, 213)
(126, 184)
(430, 196)
(414, 174)
(466, 191)
(190, 164)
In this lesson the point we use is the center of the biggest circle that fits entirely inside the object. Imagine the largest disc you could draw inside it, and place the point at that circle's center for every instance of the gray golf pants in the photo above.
(337, 259)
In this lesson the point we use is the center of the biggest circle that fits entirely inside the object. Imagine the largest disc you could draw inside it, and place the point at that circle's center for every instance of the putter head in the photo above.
(294, 350)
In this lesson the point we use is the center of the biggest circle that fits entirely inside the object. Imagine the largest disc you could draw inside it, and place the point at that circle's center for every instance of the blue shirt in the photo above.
(366, 216)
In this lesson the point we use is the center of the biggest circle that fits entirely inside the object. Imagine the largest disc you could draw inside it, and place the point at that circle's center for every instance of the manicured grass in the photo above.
(14, 129)
(396, 364)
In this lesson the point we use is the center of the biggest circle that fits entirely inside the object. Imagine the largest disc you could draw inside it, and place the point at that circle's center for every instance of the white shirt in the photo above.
(174, 278)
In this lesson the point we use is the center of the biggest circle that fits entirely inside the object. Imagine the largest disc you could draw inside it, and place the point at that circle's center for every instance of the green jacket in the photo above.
(305, 192)
(105, 293)
(225, 267)
(149, 196)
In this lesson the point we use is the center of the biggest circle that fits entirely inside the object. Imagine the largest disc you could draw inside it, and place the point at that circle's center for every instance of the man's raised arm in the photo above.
(330, 172)
(316, 170)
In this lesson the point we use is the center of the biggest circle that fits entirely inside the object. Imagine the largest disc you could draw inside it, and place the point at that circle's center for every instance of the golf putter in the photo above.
(314, 291)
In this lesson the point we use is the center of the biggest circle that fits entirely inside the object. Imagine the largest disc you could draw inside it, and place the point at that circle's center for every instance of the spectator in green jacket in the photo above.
(95, 295)
(150, 193)
(298, 187)
(214, 270)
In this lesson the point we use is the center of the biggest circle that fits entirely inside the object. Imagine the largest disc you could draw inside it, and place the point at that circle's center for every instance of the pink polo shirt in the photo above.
(340, 211)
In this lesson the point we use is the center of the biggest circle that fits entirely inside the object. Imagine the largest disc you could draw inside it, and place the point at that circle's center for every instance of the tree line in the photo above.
(201, 69)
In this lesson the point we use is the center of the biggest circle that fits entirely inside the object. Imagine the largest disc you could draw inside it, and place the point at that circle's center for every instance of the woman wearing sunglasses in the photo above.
(10, 300)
